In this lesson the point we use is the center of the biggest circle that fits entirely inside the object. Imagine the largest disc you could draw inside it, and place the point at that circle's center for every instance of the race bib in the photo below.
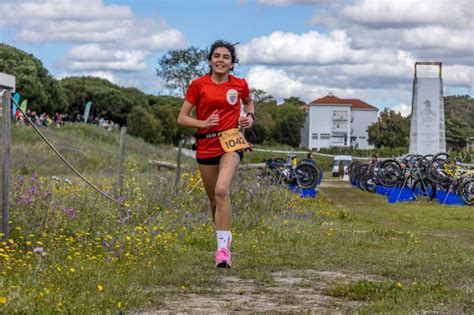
(232, 140)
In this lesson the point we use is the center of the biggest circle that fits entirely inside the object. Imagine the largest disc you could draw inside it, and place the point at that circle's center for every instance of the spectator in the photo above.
(341, 169)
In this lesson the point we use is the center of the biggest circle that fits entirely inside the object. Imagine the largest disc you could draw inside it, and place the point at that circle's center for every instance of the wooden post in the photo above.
(119, 190)
(5, 160)
(178, 165)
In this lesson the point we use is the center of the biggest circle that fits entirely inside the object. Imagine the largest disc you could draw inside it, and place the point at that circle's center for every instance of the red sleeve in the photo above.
(245, 90)
(192, 93)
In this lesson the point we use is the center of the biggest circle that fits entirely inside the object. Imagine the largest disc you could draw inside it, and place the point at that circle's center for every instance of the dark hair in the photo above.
(229, 46)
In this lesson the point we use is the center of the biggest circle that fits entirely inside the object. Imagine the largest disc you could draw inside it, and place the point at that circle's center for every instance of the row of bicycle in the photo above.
(424, 175)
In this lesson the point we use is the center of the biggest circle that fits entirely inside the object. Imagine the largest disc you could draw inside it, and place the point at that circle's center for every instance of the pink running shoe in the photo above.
(223, 258)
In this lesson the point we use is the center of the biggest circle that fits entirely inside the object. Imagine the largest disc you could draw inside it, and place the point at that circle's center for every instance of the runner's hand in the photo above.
(246, 122)
(212, 120)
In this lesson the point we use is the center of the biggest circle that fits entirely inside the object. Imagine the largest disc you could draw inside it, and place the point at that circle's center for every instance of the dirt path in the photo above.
(291, 291)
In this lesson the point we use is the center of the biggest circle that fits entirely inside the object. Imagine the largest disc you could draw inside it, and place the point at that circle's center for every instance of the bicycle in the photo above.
(305, 174)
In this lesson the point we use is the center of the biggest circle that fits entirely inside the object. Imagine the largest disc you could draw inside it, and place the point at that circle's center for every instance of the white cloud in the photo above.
(368, 52)
(94, 57)
(409, 13)
(437, 36)
(166, 39)
(402, 109)
(290, 2)
(459, 75)
(282, 84)
(290, 48)
(87, 21)
(112, 38)
(15, 12)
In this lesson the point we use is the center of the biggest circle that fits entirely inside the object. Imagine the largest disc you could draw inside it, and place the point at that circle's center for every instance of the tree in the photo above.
(289, 120)
(178, 67)
(143, 124)
(166, 109)
(293, 100)
(108, 100)
(260, 96)
(457, 132)
(391, 130)
(255, 134)
(33, 81)
(265, 111)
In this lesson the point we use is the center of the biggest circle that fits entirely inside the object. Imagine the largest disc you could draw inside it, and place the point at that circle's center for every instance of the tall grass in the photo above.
(73, 251)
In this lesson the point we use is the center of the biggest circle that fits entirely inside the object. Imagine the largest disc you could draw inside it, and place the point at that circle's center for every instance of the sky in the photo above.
(363, 49)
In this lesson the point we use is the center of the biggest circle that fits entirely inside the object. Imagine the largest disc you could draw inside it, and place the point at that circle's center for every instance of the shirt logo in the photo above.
(232, 96)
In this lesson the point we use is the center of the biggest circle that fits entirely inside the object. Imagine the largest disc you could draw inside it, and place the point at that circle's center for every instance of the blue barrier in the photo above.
(419, 192)
(449, 199)
(400, 194)
(381, 190)
(304, 193)
(397, 194)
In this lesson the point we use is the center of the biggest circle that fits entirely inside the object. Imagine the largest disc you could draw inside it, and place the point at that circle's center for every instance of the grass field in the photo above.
(73, 251)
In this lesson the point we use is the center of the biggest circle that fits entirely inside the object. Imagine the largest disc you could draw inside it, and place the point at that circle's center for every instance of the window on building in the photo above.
(325, 136)
(314, 136)
(340, 125)
(340, 114)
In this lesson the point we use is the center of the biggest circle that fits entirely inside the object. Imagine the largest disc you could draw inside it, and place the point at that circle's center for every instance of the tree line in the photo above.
(153, 117)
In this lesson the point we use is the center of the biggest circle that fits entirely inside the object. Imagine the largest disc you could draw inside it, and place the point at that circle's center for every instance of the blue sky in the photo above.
(362, 49)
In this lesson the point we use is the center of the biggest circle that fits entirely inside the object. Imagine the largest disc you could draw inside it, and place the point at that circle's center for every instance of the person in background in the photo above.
(341, 169)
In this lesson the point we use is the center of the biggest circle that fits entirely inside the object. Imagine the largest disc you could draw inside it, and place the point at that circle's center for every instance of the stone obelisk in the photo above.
(427, 130)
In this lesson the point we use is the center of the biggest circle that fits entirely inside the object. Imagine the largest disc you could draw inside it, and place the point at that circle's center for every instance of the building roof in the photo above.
(332, 100)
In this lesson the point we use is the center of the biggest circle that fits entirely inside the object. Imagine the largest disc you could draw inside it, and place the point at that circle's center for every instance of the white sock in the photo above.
(224, 238)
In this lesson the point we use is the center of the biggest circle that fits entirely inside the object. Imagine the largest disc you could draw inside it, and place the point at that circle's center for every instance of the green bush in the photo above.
(143, 124)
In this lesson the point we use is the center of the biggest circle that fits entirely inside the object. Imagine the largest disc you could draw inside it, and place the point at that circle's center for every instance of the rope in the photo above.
(62, 158)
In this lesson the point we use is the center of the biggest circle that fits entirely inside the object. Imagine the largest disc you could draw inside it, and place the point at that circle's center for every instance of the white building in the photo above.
(337, 122)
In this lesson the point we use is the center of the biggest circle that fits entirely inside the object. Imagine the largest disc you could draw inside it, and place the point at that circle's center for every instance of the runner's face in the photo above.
(221, 61)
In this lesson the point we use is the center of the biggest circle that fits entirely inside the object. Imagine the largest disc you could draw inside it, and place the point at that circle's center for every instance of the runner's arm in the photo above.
(185, 119)
(247, 122)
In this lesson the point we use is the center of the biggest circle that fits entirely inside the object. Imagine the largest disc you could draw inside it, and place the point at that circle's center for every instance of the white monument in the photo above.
(427, 130)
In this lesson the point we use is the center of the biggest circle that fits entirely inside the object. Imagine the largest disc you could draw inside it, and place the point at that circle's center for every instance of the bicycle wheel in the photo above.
(424, 189)
(466, 191)
(440, 168)
(389, 173)
(368, 184)
(306, 175)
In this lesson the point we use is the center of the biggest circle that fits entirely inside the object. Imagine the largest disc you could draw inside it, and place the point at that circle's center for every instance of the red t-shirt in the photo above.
(208, 96)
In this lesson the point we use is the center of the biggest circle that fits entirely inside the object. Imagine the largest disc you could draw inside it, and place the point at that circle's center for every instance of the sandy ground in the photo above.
(290, 292)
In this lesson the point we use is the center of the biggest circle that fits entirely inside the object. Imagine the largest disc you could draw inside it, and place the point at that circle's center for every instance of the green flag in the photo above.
(23, 106)
(87, 111)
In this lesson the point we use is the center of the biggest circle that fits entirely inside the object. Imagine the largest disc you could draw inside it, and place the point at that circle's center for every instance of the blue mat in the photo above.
(304, 193)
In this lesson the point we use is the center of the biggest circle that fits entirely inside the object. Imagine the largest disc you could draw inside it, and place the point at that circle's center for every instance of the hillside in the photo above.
(89, 149)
